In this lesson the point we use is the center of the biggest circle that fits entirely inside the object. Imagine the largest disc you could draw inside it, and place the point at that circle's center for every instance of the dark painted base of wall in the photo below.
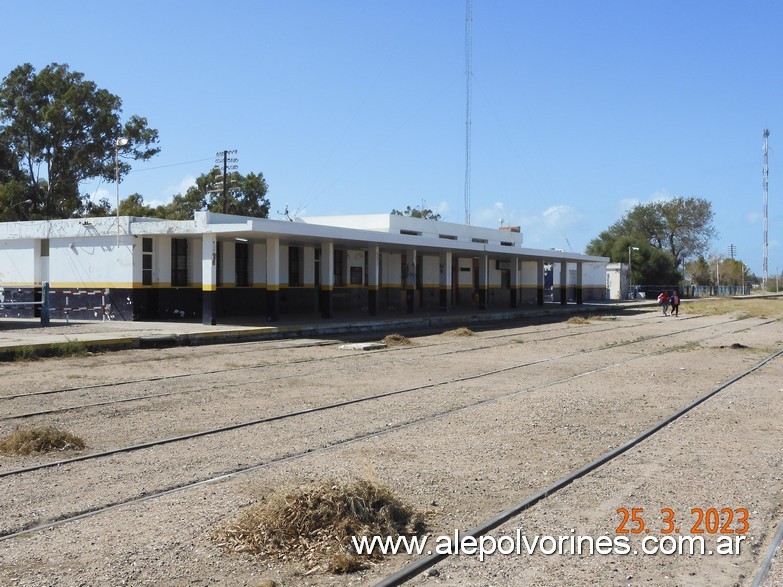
(187, 303)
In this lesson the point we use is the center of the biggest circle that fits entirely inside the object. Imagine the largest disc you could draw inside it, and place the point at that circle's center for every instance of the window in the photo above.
(294, 266)
(179, 262)
(146, 261)
(339, 268)
(241, 262)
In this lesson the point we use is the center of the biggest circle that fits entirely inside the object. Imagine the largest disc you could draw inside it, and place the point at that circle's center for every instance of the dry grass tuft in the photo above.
(770, 307)
(459, 332)
(24, 441)
(577, 320)
(314, 524)
(395, 340)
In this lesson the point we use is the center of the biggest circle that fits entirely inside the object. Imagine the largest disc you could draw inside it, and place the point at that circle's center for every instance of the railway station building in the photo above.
(219, 266)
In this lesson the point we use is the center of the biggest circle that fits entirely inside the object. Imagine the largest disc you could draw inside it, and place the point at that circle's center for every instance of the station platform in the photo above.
(27, 337)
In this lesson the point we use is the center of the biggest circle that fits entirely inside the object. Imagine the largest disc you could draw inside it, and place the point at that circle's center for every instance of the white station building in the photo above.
(218, 266)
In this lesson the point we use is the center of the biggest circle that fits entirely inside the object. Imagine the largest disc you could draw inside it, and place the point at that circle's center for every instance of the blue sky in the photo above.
(580, 109)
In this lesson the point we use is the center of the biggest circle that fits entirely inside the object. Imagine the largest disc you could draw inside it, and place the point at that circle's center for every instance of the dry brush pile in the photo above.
(314, 524)
(25, 441)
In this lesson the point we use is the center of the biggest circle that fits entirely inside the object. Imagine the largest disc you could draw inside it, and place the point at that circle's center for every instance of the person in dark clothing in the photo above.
(675, 302)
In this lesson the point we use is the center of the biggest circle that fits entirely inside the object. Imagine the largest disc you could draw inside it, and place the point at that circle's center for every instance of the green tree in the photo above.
(649, 265)
(699, 272)
(134, 205)
(92, 209)
(681, 226)
(62, 129)
(422, 212)
(731, 272)
(14, 193)
(246, 196)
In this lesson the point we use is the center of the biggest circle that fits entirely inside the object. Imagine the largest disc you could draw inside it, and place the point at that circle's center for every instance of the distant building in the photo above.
(617, 280)
(219, 265)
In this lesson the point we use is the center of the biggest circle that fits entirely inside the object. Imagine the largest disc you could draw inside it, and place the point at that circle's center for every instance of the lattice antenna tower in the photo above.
(468, 91)
(765, 182)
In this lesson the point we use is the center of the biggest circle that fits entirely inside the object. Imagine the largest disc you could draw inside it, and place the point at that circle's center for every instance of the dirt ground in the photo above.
(470, 426)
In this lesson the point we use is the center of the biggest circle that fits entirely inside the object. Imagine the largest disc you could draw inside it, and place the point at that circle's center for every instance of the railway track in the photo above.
(310, 410)
(415, 352)
(309, 451)
(264, 346)
(423, 563)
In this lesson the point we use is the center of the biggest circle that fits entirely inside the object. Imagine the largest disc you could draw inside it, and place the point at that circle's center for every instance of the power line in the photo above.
(169, 165)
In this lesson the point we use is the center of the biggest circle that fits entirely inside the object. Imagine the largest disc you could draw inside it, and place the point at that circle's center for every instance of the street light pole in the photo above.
(22, 203)
(630, 248)
(121, 142)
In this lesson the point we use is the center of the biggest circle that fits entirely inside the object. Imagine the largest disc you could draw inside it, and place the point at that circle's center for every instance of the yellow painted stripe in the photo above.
(93, 285)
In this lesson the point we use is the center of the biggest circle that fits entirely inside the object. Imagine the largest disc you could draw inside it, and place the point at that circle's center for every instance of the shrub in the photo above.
(24, 441)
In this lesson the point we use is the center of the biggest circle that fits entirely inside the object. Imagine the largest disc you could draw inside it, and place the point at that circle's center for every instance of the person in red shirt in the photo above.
(663, 300)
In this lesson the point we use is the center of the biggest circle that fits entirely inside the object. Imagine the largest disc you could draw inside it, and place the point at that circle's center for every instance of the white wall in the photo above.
(465, 278)
(391, 269)
(258, 255)
(17, 263)
(91, 262)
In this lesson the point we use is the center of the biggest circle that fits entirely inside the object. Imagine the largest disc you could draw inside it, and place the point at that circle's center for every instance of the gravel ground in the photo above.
(481, 422)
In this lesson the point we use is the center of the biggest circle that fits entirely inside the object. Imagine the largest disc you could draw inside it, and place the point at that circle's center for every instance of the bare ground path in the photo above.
(488, 420)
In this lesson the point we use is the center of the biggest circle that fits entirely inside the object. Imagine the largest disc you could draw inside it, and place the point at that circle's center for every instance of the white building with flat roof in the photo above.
(222, 265)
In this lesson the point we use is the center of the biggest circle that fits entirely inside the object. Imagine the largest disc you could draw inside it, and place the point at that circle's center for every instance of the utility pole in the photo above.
(468, 91)
(229, 164)
(765, 181)
(732, 251)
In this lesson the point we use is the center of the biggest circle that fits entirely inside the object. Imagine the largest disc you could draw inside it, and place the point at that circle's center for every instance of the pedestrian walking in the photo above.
(663, 300)
(675, 300)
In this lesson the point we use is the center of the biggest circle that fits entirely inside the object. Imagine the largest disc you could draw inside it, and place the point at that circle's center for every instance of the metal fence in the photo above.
(74, 300)
(689, 291)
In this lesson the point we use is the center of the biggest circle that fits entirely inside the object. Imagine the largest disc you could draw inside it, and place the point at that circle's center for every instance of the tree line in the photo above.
(58, 129)
(669, 242)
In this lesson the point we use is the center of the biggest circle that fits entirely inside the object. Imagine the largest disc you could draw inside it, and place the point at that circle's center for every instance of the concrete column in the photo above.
(273, 278)
(563, 282)
(514, 281)
(579, 282)
(540, 282)
(483, 281)
(373, 275)
(209, 279)
(445, 263)
(327, 279)
(410, 280)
